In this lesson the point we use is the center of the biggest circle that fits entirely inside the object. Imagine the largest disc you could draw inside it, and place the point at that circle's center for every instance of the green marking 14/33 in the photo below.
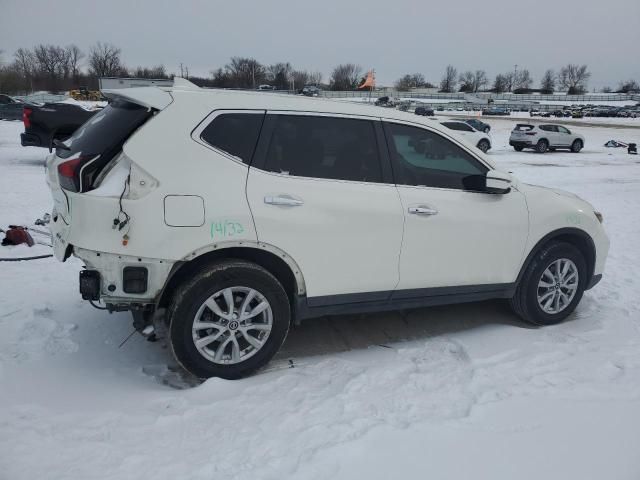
(226, 228)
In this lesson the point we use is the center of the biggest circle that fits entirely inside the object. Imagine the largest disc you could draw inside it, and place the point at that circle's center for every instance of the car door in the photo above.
(551, 133)
(564, 136)
(319, 190)
(455, 234)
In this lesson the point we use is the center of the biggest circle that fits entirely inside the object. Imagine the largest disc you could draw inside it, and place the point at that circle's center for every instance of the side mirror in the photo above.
(497, 182)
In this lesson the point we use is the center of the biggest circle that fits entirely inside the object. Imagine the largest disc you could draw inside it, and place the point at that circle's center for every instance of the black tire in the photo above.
(542, 146)
(484, 145)
(525, 300)
(576, 146)
(518, 149)
(191, 295)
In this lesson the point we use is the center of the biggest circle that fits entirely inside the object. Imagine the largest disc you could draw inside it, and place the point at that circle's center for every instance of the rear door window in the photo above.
(235, 133)
(324, 147)
(106, 131)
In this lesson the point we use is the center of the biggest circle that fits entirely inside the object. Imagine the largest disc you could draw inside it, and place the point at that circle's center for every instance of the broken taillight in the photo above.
(70, 173)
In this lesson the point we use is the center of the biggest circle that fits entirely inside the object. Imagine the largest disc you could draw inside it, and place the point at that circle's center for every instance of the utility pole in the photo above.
(515, 76)
(181, 71)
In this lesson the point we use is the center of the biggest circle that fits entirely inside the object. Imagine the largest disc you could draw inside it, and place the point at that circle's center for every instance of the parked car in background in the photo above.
(11, 108)
(266, 87)
(477, 138)
(424, 111)
(542, 138)
(334, 211)
(51, 121)
(310, 91)
(496, 111)
(478, 125)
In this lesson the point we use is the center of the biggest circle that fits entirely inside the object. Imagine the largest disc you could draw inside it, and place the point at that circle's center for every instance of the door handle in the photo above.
(422, 210)
(286, 200)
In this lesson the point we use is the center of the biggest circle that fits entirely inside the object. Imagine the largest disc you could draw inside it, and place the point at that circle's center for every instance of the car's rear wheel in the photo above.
(542, 146)
(576, 146)
(552, 285)
(518, 149)
(484, 145)
(229, 320)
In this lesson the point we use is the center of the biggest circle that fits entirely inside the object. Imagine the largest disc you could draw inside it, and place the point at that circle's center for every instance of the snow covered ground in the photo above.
(454, 392)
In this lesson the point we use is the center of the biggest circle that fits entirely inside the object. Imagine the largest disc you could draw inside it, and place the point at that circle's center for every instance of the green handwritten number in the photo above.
(226, 229)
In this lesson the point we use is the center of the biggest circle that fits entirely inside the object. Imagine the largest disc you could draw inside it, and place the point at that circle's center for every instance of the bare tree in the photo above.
(245, 72)
(466, 81)
(279, 75)
(413, 80)
(548, 82)
(345, 76)
(473, 81)
(149, 72)
(299, 78)
(315, 78)
(500, 84)
(480, 80)
(449, 79)
(630, 86)
(522, 80)
(220, 78)
(574, 78)
(25, 65)
(104, 60)
(73, 57)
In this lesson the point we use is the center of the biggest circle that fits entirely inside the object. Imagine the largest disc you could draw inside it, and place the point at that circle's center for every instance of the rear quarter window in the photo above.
(234, 133)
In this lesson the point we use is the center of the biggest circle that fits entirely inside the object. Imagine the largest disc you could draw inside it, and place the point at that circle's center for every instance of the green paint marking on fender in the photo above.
(573, 219)
(226, 228)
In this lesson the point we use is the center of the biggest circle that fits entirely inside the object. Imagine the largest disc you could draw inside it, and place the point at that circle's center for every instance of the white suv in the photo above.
(545, 137)
(231, 215)
(480, 139)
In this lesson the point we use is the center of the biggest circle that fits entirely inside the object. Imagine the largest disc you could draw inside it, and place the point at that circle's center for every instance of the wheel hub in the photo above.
(232, 325)
(557, 286)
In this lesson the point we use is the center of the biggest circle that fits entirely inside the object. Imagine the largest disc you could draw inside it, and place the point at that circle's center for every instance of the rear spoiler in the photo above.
(150, 97)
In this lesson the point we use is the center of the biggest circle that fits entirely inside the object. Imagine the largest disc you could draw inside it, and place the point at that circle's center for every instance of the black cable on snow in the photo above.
(19, 259)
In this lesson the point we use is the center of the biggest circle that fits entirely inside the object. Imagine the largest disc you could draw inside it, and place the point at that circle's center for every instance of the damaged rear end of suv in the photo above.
(97, 191)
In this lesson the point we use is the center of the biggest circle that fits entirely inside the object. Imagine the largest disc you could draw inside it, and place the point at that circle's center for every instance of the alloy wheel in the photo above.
(557, 286)
(232, 325)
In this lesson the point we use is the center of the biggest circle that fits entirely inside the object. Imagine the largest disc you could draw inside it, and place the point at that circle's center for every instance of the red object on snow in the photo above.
(16, 236)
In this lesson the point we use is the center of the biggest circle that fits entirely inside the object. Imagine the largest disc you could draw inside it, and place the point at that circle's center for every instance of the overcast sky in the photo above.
(394, 37)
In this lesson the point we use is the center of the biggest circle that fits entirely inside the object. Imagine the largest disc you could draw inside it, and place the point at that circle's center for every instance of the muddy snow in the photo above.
(456, 392)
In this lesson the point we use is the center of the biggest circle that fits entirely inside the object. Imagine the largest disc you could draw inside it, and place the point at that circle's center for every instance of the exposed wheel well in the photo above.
(578, 238)
(269, 261)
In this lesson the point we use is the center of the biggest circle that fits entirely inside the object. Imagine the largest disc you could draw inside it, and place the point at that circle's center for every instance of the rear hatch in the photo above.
(77, 164)
(522, 131)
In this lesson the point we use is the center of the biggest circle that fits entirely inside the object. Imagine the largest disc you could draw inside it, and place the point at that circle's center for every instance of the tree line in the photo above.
(570, 78)
(57, 68)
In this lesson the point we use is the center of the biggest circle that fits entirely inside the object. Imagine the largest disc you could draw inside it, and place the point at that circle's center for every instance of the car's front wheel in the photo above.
(552, 285)
(229, 320)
